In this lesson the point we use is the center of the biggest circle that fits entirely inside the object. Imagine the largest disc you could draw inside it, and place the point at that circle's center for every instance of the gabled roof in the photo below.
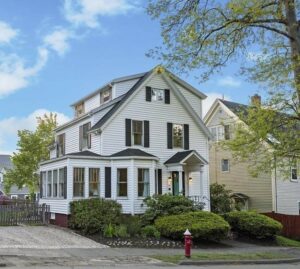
(236, 108)
(5, 161)
(180, 156)
(132, 152)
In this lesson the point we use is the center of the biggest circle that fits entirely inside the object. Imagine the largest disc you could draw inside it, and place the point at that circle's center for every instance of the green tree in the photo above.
(207, 35)
(33, 147)
(220, 200)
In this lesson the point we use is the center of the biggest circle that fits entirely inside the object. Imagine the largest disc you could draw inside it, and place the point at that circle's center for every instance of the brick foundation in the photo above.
(60, 220)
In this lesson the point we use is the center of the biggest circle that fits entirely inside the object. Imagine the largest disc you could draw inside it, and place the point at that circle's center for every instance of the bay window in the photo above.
(122, 182)
(143, 182)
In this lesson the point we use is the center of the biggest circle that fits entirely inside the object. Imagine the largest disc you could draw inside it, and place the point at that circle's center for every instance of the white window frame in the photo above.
(220, 132)
(182, 136)
(58, 182)
(99, 177)
(117, 181)
(225, 171)
(154, 96)
(138, 182)
(83, 195)
(132, 133)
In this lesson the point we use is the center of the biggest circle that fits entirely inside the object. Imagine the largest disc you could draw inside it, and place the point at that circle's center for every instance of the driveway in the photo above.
(43, 237)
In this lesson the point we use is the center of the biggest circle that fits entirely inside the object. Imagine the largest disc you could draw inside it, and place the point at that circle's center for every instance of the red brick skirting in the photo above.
(60, 220)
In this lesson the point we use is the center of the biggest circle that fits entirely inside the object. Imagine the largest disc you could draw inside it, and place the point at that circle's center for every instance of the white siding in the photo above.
(194, 100)
(92, 103)
(53, 153)
(121, 88)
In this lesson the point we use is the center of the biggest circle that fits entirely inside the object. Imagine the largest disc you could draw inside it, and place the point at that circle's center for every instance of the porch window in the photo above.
(61, 189)
(177, 135)
(49, 184)
(122, 182)
(55, 183)
(143, 182)
(85, 138)
(60, 145)
(137, 131)
(225, 165)
(157, 94)
(78, 182)
(94, 182)
(44, 182)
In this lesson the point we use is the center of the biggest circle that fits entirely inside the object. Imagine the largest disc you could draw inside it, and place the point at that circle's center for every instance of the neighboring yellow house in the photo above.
(249, 192)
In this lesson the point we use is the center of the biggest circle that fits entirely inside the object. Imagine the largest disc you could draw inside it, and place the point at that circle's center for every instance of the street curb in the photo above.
(228, 262)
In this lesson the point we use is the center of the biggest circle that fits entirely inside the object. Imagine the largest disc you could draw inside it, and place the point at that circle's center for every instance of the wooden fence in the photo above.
(24, 213)
(291, 224)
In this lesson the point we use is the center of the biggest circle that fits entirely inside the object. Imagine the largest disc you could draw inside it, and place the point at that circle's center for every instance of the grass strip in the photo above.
(286, 242)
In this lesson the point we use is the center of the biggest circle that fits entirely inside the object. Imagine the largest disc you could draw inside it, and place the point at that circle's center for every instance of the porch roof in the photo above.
(181, 156)
(131, 152)
(85, 153)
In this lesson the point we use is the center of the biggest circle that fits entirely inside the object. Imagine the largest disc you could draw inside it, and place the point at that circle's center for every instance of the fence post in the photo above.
(44, 213)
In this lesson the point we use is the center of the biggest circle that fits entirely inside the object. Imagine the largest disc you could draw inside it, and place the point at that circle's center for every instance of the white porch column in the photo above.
(201, 182)
(86, 182)
(180, 182)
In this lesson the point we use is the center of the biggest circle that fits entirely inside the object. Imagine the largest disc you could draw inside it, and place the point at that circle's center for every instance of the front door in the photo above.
(175, 183)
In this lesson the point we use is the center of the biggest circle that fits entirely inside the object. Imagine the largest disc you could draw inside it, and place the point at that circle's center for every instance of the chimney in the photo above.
(256, 100)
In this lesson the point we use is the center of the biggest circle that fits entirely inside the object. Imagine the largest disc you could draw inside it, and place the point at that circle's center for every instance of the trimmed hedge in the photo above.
(253, 224)
(93, 215)
(202, 225)
(167, 204)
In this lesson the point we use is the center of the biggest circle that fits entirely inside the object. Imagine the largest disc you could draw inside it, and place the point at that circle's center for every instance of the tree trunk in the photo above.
(294, 31)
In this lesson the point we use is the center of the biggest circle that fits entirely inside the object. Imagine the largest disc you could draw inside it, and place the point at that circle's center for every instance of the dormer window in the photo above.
(157, 94)
(106, 96)
(79, 109)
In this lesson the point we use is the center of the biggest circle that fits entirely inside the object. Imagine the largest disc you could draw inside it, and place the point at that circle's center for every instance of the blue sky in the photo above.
(54, 52)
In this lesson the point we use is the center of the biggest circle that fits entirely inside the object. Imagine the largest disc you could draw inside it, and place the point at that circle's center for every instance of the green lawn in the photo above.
(223, 256)
(286, 242)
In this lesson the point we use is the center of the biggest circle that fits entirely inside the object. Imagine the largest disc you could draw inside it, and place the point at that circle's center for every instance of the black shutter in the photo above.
(65, 182)
(128, 132)
(146, 134)
(148, 94)
(167, 96)
(107, 182)
(169, 135)
(186, 136)
(41, 185)
(80, 137)
(89, 137)
(159, 181)
(57, 147)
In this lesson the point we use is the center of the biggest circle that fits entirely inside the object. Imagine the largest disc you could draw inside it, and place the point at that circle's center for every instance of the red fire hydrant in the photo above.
(187, 243)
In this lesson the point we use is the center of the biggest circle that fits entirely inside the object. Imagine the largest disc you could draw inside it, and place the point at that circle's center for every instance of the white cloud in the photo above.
(87, 12)
(229, 81)
(14, 75)
(58, 40)
(211, 97)
(9, 128)
(7, 33)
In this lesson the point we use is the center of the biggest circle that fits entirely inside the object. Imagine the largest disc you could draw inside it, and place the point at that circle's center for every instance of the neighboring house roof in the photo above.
(5, 162)
(235, 107)
(182, 155)
(131, 152)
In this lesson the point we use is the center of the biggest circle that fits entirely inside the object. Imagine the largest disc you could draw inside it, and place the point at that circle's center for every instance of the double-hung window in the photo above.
(94, 182)
(78, 182)
(85, 137)
(157, 94)
(49, 184)
(143, 182)
(122, 182)
(225, 165)
(60, 145)
(220, 132)
(177, 135)
(55, 185)
(137, 132)
(61, 187)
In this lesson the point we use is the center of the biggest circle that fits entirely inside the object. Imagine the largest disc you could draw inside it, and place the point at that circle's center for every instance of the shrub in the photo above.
(92, 215)
(167, 204)
(150, 231)
(253, 224)
(133, 224)
(202, 225)
(109, 231)
(121, 231)
(220, 199)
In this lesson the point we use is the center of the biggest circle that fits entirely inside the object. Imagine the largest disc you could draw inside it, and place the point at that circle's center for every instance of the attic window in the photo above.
(106, 96)
(157, 94)
(79, 109)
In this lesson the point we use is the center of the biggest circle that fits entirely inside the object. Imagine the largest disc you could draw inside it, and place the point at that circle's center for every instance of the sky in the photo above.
(54, 52)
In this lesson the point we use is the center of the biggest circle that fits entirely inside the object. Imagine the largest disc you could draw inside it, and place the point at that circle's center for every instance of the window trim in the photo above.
(137, 170)
(117, 181)
(132, 133)
(218, 137)
(225, 171)
(182, 136)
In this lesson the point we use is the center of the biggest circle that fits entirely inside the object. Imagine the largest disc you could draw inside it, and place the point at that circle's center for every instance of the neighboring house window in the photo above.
(177, 135)
(94, 182)
(294, 174)
(217, 132)
(225, 165)
(14, 196)
(226, 132)
(26, 197)
(157, 94)
(84, 136)
(49, 184)
(122, 182)
(78, 182)
(137, 132)
(55, 185)
(61, 188)
(106, 96)
(79, 109)
(60, 145)
(143, 182)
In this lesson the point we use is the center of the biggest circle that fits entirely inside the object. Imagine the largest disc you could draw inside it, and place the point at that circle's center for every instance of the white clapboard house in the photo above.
(134, 137)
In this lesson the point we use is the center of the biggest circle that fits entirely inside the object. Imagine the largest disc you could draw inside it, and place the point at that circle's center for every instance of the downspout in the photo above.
(275, 184)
